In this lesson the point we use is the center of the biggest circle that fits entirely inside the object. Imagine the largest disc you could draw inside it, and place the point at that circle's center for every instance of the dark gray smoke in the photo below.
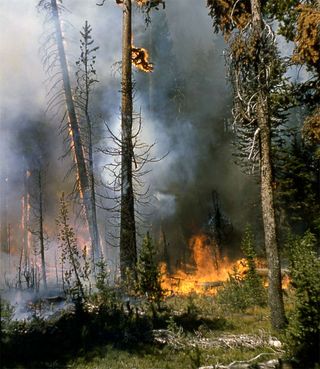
(185, 106)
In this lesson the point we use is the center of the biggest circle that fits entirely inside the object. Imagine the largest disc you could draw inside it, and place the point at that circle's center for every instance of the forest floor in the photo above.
(206, 335)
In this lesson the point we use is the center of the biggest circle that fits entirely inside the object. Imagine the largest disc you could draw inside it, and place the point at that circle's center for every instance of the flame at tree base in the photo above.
(209, 271)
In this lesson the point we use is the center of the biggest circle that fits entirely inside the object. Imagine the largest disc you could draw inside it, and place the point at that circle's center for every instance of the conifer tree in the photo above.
(149, 276)
(255, 71)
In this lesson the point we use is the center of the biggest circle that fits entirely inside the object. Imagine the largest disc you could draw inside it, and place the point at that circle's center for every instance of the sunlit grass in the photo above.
(255, 321)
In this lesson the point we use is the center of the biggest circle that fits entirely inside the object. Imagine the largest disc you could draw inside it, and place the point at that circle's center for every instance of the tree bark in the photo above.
(41, 231)
(128, 252)
(73, 123)
(4, 238)
(25, 222)
(93, 216)
(4, 229)
(266, 177)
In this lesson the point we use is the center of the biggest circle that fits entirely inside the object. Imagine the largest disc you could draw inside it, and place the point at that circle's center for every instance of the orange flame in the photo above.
(210, 271)
(140, 59)
(286, 282)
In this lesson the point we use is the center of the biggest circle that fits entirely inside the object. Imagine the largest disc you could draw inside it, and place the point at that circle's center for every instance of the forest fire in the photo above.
(210, 270)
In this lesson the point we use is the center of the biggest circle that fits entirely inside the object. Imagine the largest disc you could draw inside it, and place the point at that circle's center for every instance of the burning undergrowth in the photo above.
(207, 271)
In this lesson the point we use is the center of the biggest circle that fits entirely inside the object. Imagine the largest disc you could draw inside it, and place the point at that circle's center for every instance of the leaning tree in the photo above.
(56, 65)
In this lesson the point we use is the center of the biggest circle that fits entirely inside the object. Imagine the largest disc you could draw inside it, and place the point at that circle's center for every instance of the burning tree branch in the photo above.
(140, 59)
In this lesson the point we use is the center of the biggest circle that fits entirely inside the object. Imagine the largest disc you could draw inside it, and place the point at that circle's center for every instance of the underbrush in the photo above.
(127, 332)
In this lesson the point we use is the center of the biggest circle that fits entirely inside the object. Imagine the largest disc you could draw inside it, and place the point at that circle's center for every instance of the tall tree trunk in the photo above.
(266, 177)
(20, 269)
(128, 252)
(25, 222)
(56, 267)
(166, 257)
(150, 76)
(4, 238)
(93, 216)
(73, 123)
(41, 232)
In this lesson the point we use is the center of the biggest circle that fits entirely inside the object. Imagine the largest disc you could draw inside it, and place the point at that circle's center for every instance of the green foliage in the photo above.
(195, 357)
(148, 273)
(252, 280)
(6, 313)
(303, 332)
(243, 291)
(86, 73)
(285, 12)
(192, 308)
(297, 184)
(227, 15)
(235, 294)
(101, 276)
(75, 263)
(106, 295)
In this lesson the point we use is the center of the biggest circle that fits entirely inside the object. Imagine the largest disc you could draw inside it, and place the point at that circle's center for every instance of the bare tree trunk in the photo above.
(278, 319)
(93, 216)
(166, 257)
(4, 239)
(19, 269)
(73, 123)
(9, 245)
(25, 222)
(56, 267)
(41, 232)
(128, 252)
(150, 77)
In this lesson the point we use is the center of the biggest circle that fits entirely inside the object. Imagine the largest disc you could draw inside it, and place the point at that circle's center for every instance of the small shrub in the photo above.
(106, 295)
(195, 357)
(252, 280)
(241, 292)
(192, 308)
(148, 273)
(303, 332)
(77, 271)
(6, 313)
(234, 293)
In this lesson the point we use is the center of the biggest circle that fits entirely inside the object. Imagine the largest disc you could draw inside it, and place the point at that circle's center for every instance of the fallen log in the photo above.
(263, 272)
(270, 364)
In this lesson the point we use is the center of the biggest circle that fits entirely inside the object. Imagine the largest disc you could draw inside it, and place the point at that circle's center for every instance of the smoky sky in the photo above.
(185, 107)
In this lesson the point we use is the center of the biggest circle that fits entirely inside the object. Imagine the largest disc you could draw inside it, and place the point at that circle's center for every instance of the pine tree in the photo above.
(86, 79)
(299, 23)
(255, 71)
(70, 256)
(297, 172)
(149, 276)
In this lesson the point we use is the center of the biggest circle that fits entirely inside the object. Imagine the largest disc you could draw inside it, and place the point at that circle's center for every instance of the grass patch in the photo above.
(198, 316)
(166, 358)
(116, 339)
